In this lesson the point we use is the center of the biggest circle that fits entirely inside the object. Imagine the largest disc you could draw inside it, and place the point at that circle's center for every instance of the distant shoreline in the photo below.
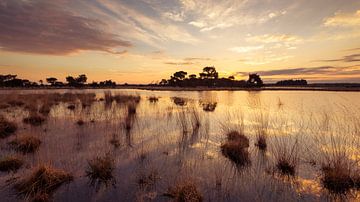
(170, 88)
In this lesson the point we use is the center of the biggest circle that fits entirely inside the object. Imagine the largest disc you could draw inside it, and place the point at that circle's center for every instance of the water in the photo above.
(164, 140)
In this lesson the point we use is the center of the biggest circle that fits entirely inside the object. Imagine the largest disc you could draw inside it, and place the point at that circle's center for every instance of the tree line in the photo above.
(10, 80)
(210, 77)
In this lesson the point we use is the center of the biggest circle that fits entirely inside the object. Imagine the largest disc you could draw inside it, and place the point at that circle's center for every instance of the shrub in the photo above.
(10, 163)
(26, 144)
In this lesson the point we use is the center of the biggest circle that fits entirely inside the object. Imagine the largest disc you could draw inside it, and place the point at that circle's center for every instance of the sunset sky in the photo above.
(143, 41)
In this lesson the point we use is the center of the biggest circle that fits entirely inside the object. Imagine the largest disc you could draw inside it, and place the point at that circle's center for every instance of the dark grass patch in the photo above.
(239, 138)
(286, 167)
(261, 143)
(10, 163)
(145, 180)
(16, 103)
(26, 144)
(184, 192)
(179, 101)
(115, 141)
(71, 107)
(42, 183)
(34, 120)
(209, 107)
(336, 178)
(235, 151)
(153, 99)
(80, 122)
(100, 171)
(7, 128)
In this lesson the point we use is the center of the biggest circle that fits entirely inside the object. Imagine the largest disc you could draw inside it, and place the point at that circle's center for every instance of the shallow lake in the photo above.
(178, 137)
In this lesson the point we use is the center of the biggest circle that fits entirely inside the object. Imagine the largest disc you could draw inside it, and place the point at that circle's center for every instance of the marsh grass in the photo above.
(185, 191)
(34, 120)
(147, 179)
(10, 163)
(339, 170)
(153, 99)
(235, 148)
(100, 171)
(261, 130)
(179, 101)
(7, 128)
(44, 181)
(25, 144)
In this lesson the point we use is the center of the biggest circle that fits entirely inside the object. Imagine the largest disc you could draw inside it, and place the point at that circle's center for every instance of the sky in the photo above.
(143, 41)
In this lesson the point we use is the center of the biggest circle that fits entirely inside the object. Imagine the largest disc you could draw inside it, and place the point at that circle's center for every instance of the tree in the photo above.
(71, 81)
(231, 78)
(209, 73)
(51, 80)
(180, 75)
(163, 82)
(255, 80)
(192, 76)
(81, 79)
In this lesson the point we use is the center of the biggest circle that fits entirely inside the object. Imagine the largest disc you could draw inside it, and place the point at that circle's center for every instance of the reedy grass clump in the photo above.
(145, 180)
(7, 128)
(34, 120)
(100, 171)
(153, 99)
(26, 144)
(179, 101)
(209, 106)
(186, 191)
(339, 171)
(235, 148)
(261, 130)
(10, 163)
(286, 156)
(42, 183)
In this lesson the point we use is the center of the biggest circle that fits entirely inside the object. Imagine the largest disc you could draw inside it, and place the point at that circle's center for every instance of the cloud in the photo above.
(43, 27)
(246, 49)
(268, 38)
(343, 20)
(212, 14)
(310, 71)
(347, 58)
(179, 63)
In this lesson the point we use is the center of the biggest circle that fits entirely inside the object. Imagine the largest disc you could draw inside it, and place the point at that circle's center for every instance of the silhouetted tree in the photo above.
(209, 73)
(180, 75)
(255, 80)
(78, 81)
(291, 82)
(192, 76)
(51, 80)
(231, 78)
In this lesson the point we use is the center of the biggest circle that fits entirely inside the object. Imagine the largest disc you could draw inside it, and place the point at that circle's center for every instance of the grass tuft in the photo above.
(100, 171)
(34, 120)
(286, 167)
(42, 182)
(7, 128)
(233, 151)
(261, 142)
(336, 178)
(26, 144)
(239, 138)
(153, 99)
(10, 163)
(185, 192)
